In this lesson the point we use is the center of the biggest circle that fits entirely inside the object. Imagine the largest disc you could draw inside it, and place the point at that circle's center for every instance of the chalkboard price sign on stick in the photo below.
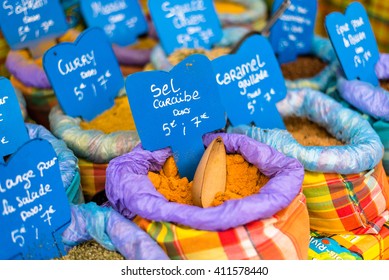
(122, 20)
(354, 42)
(27, 23)
(34, 206)
(185, 23)
(251, 83)
(293, 33)
(85, 75)
(13, 132)
(175, 109)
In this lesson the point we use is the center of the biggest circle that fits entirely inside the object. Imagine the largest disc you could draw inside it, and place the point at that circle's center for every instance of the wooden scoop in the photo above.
(211, 174)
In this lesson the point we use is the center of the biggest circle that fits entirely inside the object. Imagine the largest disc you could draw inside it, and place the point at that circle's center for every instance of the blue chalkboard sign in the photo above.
(85, 75)
(185, 23)
(353, 40)
(293, 33)
(251, 83)
(13, 132)
(122, 20)
(34, 207)
(24, 23)
(176, 109)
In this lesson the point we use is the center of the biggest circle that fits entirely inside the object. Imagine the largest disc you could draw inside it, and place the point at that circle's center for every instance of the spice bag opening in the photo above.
(130, 191)
(28, 76)
(345, 186)
(110, 229)
(251, 14)
(93, 143)
(350, 246)
(322, 49)
(68, 162)
(231, 35)
(371, 100)
(363, 149)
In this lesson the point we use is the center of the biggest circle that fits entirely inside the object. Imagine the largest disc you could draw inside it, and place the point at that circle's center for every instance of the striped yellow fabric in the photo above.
(355, 203)
(350, 246)
(92, 178)
(282, 236)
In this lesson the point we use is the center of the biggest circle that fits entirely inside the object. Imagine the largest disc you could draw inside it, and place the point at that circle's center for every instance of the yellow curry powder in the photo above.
(243, 179)
(229, 7)
(117, 118)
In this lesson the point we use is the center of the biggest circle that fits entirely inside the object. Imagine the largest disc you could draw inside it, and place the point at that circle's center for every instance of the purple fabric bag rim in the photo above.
(369, 99)
(131, 193)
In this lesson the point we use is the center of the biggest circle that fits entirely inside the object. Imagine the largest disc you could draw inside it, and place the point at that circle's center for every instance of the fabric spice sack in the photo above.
(251, 14)
(321, 62)
(350, 246)
(28, 76)
(94, 147)
(111, 230)
(372, 101)
(271, 224)
(67, 162)
(345, 186)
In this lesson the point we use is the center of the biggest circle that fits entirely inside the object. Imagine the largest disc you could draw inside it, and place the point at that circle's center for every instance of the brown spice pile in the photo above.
(308, 133)
(302, 67)
(91, 250)
(243, 179)
(117, 118)
(179, 55)
(384, 84)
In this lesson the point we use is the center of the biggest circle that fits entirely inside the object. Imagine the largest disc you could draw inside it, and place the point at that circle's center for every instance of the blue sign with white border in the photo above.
(185, 24)
(34, 207)
(175, 109)
(293, 33)
(354, 42)
(25, 23)
(251, 83)
(122, 20)
(13, 132)
(85, 75)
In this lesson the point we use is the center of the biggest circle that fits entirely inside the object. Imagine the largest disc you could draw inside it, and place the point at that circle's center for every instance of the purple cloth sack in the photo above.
(131, 193)
(369, 99)
(112, 231)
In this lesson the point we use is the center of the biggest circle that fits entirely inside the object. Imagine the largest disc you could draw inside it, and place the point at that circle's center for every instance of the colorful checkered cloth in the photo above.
(377, 10)
(285, 235)
(92, 178)
(338, 203)
(350, 246)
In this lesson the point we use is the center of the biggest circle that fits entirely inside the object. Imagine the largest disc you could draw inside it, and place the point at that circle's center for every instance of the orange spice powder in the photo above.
(243, 179)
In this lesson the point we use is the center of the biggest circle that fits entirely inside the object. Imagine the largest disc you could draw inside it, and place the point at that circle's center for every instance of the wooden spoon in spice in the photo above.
(211, 174)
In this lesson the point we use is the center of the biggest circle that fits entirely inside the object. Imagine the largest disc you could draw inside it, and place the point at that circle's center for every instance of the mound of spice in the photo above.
(308, 133)
(384, 84)
(117, 118)
(243, 179)
(91, 250)
(179, 55)
(303, 67)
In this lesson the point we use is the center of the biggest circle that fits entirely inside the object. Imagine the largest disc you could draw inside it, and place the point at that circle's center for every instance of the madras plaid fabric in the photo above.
(282, 236)
(350, 246)
(377, 10)
(355, 203)
(92, 177)
(39, 101)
